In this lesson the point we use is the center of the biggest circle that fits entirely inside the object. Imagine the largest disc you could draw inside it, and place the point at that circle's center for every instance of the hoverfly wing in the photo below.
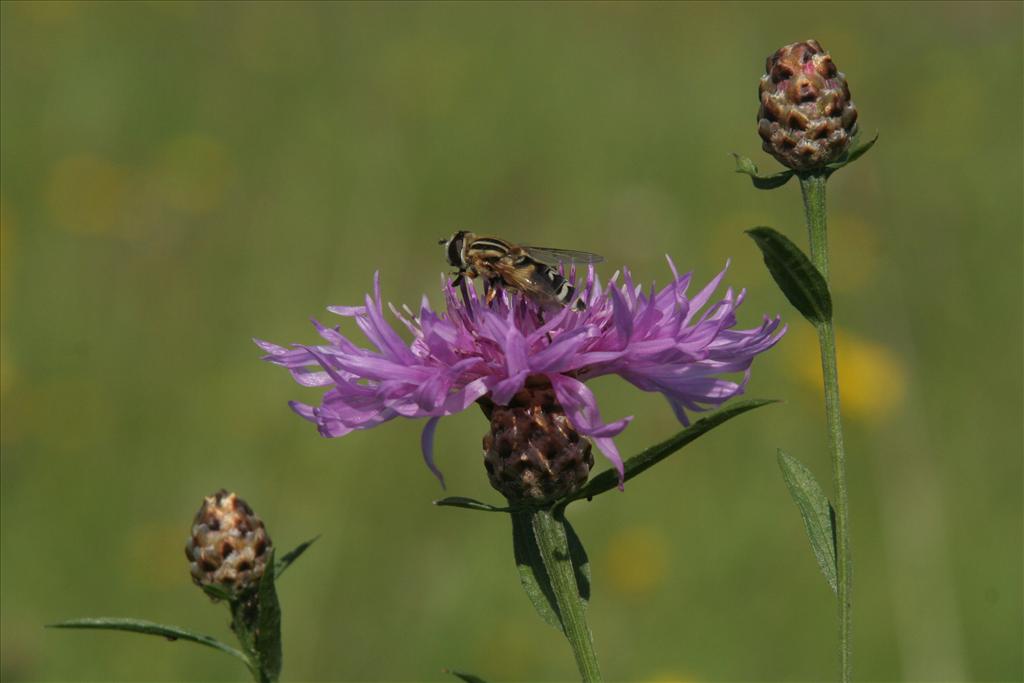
(533, 278)
(554, 257)
(540, 281)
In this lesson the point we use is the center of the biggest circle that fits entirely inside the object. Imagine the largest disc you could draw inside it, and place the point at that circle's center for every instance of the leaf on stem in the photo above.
(578, 556)
(761, 182)
(817, 513)
(855, 152)
(150, 628)
(267, 641)
(462, 675)
(469, 504)
(609, 479)
(532, 574)
(802, 283)
(289, 557)
(217, 592)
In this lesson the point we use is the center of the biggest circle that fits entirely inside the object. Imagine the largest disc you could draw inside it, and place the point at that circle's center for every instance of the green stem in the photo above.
(553, 544)
(812, 186)
(242, 618)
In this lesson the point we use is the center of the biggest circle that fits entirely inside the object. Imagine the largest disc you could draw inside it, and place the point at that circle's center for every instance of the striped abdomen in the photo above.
(562, 291)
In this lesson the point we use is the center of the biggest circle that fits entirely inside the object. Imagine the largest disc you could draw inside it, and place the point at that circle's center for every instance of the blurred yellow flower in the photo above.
(872, 378)
(87, 194)
(637, 560)
(50, 12)
(669, 677)
(191, 173)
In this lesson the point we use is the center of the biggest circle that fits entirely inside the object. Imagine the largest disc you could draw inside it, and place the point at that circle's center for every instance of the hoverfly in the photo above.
(530, 270)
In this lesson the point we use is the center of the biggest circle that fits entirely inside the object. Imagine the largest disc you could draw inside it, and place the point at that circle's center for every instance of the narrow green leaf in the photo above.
(468, 678)
(817, 513)
(550, 532)
(855, 152)
(609, 479)
(469, 504)
(217, 592)
(268, 632)
(761, 182)
(795, 275)
(289, 557)
(580, 561)
(860, 150)
(150, 628)
(532, 574)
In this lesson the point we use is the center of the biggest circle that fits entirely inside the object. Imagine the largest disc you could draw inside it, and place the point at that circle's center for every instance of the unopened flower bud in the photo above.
(228, 546)
(532, 452)
(806, 118)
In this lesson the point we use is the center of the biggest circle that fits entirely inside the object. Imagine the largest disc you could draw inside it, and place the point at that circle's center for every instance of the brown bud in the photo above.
(532, 452)
(806, 118)
(228, 546)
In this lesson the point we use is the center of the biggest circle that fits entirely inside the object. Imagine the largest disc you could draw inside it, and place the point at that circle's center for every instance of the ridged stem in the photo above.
(554, 550)
(812, 187)
(241, 618)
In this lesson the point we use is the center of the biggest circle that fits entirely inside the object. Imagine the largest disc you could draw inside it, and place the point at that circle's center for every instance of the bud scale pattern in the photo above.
(228, 546)
(806, 118)
(532, 453)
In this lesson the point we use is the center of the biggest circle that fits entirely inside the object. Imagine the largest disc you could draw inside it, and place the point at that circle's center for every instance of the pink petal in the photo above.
(427, 445)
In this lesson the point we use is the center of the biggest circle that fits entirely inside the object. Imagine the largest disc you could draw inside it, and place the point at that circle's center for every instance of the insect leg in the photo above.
(492, 286)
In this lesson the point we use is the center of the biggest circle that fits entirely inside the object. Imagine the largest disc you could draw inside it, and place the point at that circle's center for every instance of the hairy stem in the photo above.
(242, 618)
(553, 544)
(812, 186)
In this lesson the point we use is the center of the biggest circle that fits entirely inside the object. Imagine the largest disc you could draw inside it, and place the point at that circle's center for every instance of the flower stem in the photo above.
(812, 187)
(242, 615)
(553, 544)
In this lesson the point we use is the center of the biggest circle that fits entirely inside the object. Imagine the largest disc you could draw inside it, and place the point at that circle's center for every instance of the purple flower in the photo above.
(662, 341)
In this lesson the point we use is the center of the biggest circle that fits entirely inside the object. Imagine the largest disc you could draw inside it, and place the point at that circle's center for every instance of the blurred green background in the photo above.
(178, 178)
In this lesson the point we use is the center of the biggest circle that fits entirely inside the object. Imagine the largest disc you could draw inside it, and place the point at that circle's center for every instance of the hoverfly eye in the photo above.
(454, 249)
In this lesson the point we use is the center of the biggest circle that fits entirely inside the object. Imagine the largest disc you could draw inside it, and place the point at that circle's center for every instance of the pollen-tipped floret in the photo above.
(228, 546)
(806, 118)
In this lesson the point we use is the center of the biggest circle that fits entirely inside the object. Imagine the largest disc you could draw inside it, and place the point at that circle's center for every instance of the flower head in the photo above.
(662, 340)
(806, 118)
(228, 545)
(532, 453)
